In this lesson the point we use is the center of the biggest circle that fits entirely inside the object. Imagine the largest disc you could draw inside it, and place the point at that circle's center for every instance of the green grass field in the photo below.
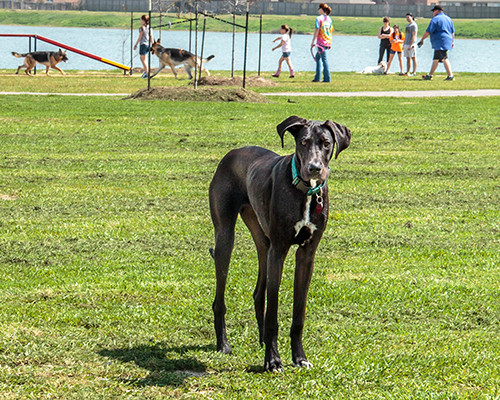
(116, 82)
(465, 28)
(106, 281)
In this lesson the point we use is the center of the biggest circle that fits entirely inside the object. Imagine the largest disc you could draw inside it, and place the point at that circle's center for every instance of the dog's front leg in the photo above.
(275, 260)
(304, 265)
(58, 69)
(158, 70)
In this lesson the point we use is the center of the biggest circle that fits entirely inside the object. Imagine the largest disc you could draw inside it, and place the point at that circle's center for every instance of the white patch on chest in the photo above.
(306, 219)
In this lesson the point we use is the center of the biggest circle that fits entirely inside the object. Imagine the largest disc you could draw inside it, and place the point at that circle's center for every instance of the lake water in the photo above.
(349, 53)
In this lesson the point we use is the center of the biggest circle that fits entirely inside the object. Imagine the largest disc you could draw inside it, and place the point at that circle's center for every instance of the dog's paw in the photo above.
(274, 366)
(224, 349)
(303, 364)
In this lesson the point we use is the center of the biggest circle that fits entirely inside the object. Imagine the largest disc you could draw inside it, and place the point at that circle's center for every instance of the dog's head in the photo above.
(155, 48)
(62, 55)
(314, 144)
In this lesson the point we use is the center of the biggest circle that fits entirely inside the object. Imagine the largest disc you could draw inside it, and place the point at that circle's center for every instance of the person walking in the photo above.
(384, 34)
(286, 49)
(144, 41)
(442, 33)
(410, 45)
(322, 39)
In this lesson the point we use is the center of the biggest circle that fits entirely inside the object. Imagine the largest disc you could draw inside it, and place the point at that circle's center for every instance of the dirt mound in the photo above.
(256, 81)
(199, 94)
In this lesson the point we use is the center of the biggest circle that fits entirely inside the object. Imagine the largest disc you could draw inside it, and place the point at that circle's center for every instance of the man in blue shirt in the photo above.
(442, 33)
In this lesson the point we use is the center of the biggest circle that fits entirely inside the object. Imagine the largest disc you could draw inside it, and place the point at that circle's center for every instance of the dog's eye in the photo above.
(326, 144)
(303, 143)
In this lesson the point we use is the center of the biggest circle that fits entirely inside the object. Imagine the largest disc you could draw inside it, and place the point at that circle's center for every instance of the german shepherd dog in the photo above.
(175, 57)
(48, 58)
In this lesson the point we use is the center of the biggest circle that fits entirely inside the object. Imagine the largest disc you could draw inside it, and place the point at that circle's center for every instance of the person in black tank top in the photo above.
(384, 34)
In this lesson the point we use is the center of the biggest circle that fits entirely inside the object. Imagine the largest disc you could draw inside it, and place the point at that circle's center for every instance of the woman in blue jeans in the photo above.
(322, 39)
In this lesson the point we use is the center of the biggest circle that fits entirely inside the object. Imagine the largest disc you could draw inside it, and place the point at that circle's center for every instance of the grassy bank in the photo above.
(466, 28)
(116, 82)
(106, 281)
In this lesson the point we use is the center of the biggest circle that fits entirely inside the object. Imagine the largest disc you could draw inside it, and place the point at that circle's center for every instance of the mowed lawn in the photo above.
(106, 282)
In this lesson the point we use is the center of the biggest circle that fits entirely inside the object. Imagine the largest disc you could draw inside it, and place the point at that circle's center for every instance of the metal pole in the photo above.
(234, 36)
(190, 32)
(196, 45)
(131, 41)
(246, 42)
(34, 69)
(260, 43)
(149, 48)
(202, 45)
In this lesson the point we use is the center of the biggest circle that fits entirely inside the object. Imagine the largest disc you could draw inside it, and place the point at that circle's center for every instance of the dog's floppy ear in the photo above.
(291, 124)
(341, 134)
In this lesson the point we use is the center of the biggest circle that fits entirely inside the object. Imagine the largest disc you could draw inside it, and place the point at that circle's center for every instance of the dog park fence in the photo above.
(465, 10)
(36, 5)
(284, 8)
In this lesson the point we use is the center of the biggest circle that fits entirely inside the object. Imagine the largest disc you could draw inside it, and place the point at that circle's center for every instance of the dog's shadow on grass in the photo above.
(167, 365)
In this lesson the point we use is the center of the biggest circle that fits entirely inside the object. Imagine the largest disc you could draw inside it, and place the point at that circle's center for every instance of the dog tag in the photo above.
(319, 206)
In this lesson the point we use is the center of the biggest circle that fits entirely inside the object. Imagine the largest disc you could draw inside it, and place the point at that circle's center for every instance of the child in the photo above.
(286, 48)
(397, 38)
(144, 40)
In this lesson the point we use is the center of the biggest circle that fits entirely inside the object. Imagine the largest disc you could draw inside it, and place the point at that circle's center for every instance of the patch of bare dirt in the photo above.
(7, 197)
(254, 81)
(200, 94)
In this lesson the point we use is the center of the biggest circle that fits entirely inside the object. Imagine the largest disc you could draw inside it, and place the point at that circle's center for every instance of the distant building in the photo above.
(74, 2)
(470, 3)
(407, 2)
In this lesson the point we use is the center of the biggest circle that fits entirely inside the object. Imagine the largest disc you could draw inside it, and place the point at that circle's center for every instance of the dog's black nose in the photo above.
(314, 168)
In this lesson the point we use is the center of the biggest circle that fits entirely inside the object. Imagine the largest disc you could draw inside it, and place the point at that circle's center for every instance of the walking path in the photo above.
(402, 93)
(66, 94)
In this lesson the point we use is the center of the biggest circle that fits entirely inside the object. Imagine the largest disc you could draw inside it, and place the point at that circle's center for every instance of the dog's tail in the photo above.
(19, 55)
(208, 58)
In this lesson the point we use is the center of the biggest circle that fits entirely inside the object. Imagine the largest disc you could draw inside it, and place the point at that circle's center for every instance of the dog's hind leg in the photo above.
(187, 67)
(29, 63)
(262, 244)
(224, 211)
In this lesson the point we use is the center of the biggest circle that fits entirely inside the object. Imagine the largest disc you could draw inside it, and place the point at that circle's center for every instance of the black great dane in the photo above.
(283, 201)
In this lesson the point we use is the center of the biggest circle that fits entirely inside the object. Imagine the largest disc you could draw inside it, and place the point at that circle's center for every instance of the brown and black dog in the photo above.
(48, 58)
(175, 57)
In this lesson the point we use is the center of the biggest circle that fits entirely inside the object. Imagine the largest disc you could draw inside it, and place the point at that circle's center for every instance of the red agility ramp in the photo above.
(73, 49)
